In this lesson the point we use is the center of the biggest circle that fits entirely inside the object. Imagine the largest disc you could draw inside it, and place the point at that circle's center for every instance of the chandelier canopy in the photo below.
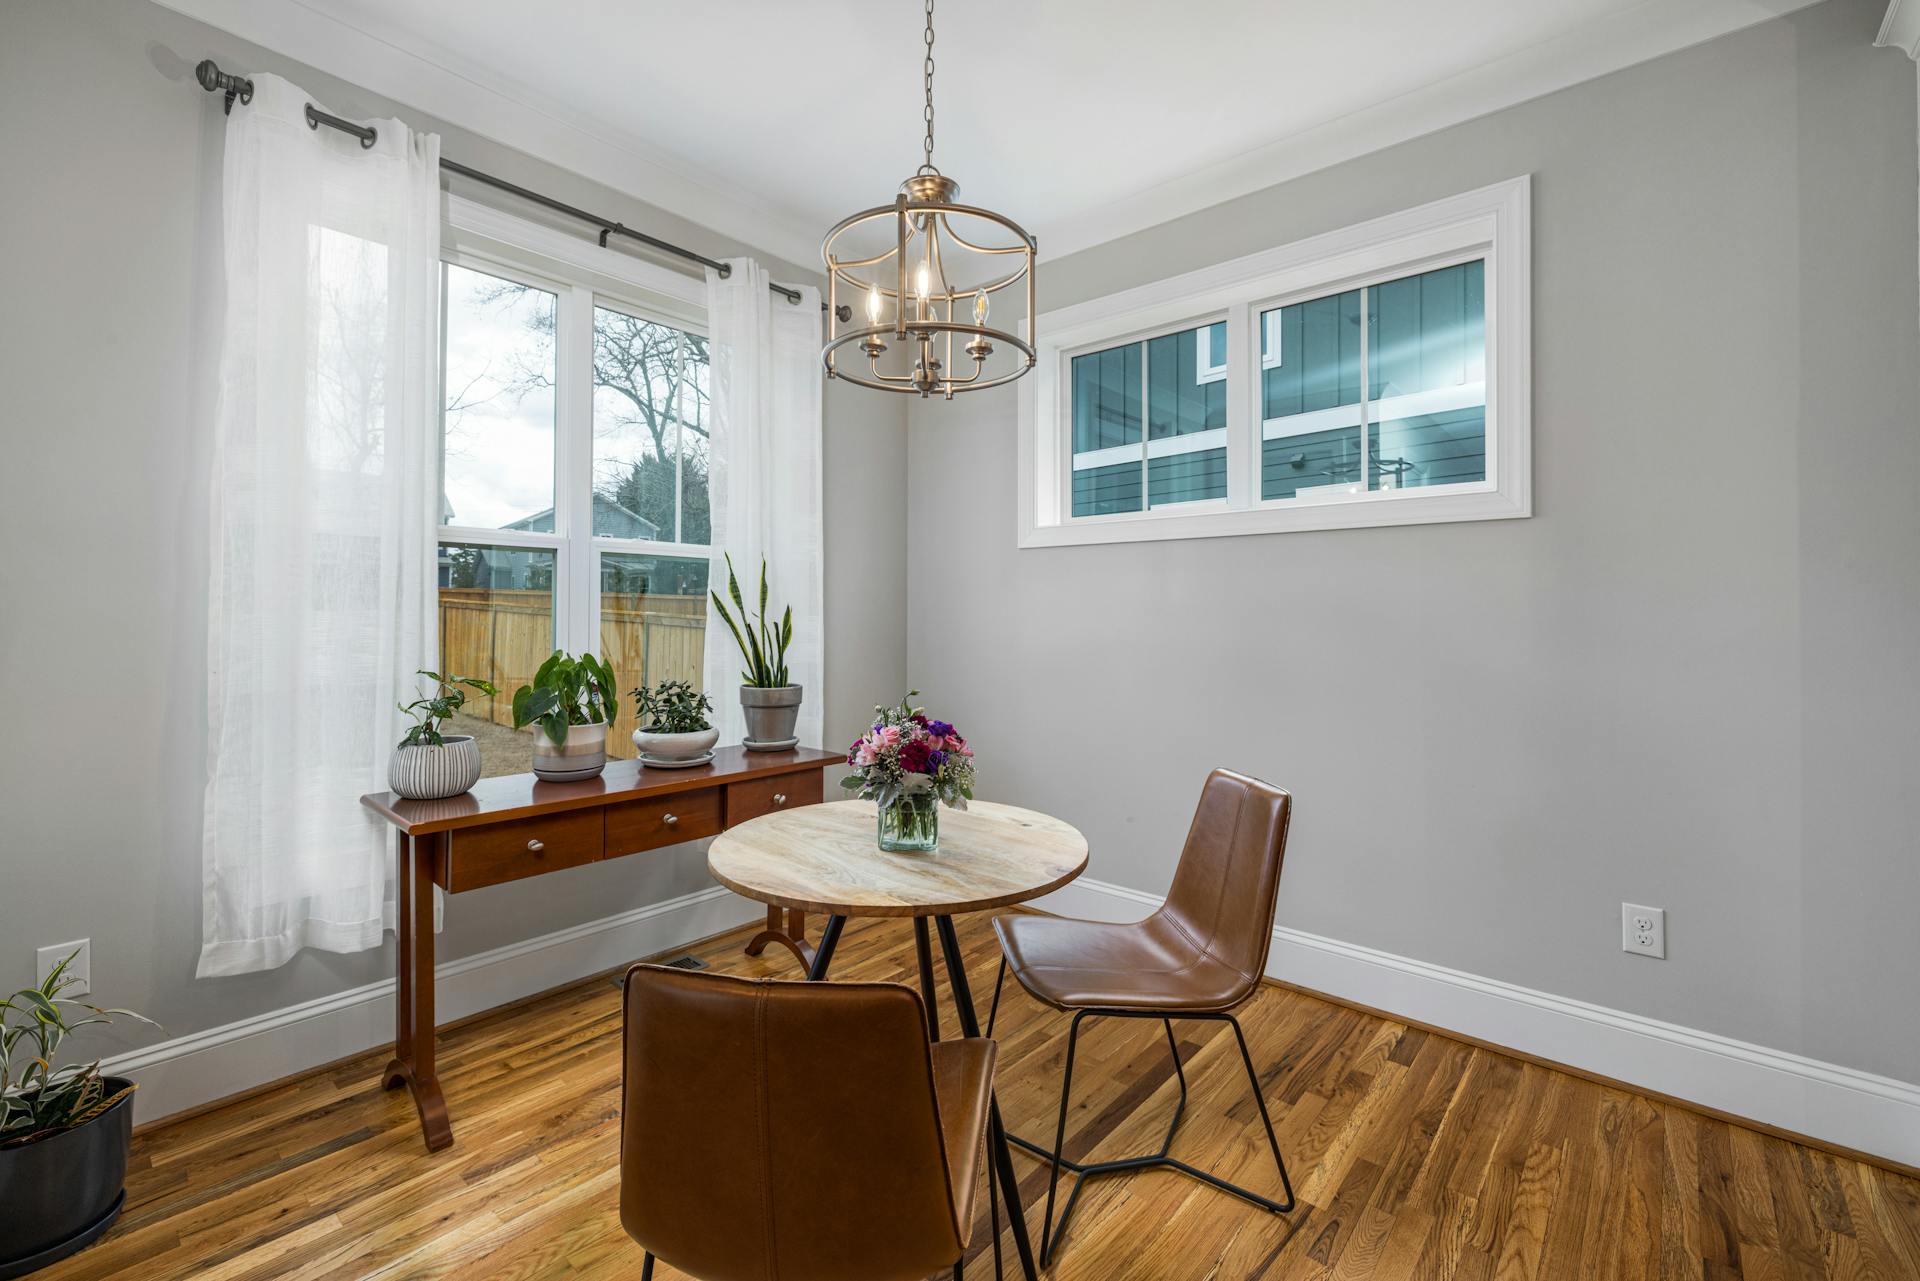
(926, 275)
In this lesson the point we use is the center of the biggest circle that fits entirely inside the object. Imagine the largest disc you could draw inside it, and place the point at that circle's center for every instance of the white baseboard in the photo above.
(1825, 1101)
(188, 1071)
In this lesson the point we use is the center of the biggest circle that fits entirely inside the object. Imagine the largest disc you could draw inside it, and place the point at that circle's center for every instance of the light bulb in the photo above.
(873, 305)
(980, 308)
(922, 283)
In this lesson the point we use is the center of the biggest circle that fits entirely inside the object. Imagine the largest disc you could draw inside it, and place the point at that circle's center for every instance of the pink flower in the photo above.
(864, 753)
(885, 737)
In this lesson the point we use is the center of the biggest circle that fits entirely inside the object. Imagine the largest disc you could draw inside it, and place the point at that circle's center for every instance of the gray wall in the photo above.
(109, 168)
(1687, 681)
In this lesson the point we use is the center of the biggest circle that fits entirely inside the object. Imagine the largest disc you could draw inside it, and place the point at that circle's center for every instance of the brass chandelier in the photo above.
(923, 272)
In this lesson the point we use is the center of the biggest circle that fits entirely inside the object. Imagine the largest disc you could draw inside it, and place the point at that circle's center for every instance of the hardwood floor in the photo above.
(1414, 1156)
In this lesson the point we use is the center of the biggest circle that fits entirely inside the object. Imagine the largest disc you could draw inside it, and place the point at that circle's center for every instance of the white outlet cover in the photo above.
(82, 968)
(1643, 930)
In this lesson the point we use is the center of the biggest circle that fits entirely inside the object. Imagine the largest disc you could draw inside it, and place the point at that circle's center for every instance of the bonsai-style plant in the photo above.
(770, 701)
(428, 765)
(433, 711)
(64, 1129)
(571, 700)
(674, 729)
(673, 707)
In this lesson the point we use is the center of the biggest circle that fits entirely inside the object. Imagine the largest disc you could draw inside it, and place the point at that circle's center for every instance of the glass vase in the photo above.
(911, 823)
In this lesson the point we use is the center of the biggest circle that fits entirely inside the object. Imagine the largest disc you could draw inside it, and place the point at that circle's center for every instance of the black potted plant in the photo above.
(64, 1131)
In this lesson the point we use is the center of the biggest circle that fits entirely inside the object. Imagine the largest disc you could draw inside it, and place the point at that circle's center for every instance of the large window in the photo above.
(574, 504)
(1373, 376)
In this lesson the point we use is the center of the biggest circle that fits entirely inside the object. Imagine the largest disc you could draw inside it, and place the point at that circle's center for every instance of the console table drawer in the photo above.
(757, 796)
(647, 825)
(527, 847)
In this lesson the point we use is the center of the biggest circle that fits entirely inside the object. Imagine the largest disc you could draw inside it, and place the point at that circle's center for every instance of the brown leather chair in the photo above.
(804, 1131)
(1198, 957)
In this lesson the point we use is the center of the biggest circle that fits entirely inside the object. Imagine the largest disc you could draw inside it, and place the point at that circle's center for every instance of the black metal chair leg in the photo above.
(646, 1266)
(993, 1011)
(1253, 1081)
(1059, 1144)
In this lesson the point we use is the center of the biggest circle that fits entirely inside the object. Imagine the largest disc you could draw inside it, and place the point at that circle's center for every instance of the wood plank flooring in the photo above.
(1414, 1156)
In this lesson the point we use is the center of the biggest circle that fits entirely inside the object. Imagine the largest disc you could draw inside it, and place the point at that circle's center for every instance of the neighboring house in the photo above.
(511, 568)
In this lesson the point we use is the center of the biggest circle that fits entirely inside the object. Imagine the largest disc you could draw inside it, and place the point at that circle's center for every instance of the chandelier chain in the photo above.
(927, 68)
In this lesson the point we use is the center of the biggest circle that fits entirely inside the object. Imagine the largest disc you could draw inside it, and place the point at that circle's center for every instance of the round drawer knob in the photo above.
(670, 820)
(779, 799)
(534, 847)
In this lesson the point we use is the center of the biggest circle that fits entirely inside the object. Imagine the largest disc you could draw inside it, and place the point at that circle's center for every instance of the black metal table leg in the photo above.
(925, 951)
(996, 1132)
(823, 954)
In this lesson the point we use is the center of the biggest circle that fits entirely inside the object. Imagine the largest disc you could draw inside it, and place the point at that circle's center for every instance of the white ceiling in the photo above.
(1082, 119)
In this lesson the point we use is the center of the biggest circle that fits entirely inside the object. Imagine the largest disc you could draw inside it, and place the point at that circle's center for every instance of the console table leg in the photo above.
(412, 1063)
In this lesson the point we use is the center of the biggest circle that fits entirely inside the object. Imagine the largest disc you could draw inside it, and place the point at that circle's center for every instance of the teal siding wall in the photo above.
(1098, 491)
(1107, 412)
(1187, 478)
(1293, 463)
(1319, 356)
(1106, 398)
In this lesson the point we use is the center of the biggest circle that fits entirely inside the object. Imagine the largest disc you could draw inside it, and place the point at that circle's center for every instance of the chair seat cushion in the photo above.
(963, 1083)
(1147, 965)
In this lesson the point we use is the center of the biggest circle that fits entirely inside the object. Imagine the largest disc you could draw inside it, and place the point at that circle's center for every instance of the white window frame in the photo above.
(1204, 370)
(582, 275)
(1490, 224)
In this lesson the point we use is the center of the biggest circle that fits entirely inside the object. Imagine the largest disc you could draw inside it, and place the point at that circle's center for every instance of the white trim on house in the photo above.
(1490, 224)
(189, 1071)
(1824, 1101)
(1900, 29)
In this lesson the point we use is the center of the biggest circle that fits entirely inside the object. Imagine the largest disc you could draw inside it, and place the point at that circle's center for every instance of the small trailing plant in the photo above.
(38, 1099)
(908, 754)
(566, 691)
(672, 707)
(763, 645)
(430, 713)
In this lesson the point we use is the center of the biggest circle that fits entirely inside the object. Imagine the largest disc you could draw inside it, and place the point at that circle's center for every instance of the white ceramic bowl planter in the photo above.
(670, 751)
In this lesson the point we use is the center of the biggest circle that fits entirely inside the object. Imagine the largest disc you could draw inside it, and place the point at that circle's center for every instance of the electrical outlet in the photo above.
(1643, 930)
(82, 967)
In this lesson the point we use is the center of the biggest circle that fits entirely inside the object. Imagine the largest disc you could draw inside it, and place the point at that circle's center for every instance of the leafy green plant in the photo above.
(566, 691)
(37, 1098)
(431, 712)
(672, 707)
(763, 646)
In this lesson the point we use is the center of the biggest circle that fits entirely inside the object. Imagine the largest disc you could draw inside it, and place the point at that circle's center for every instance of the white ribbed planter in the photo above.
(427, 773)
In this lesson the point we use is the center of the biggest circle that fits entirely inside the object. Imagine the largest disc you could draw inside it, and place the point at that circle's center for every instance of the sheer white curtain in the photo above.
(765, 461)
(323, 522)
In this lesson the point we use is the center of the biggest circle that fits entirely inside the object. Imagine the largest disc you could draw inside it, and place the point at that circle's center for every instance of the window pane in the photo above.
(653, 628)
(1310, 357)
(496, 427)
(1426, 373)
(496, 622)
(1114, 468)
(650, 394)
(1289, 464)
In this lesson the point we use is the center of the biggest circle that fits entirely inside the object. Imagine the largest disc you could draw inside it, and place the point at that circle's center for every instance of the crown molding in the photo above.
(1620, 40)
(435, 81)
(1900, 29)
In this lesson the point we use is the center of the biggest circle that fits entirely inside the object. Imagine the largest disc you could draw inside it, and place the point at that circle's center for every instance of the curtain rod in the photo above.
(214, 80)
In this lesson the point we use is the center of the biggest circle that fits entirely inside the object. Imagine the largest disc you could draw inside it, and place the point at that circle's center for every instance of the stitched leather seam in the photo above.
(761, 1118)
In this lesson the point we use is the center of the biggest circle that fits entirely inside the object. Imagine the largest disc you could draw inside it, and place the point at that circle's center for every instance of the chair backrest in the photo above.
(782, 1129)
(1229, 875)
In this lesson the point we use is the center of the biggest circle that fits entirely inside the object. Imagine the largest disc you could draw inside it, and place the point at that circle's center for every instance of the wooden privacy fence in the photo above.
(505, 635)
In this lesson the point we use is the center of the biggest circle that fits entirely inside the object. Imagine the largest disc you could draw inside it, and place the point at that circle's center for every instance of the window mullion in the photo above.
(1243, 420)
(576, 602)
(1366, 391)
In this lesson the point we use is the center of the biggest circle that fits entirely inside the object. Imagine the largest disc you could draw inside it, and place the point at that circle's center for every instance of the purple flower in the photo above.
(935, 759)
(939, 729)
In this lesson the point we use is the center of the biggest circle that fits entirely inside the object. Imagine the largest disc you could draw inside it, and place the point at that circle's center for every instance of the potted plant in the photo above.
(771, 704)
(427, 764)
(64, 1131)
(674, 730)
(571, 700)
(905, 764)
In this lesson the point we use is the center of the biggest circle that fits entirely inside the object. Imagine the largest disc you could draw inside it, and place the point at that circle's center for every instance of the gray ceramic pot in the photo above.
(427, 773)
(583, 755)
(771, 716)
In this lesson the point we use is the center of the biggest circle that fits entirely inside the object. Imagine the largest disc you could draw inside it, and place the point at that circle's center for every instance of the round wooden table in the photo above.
(826, 858)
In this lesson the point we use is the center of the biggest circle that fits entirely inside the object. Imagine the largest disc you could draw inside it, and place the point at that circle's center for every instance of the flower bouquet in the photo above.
(905, 764)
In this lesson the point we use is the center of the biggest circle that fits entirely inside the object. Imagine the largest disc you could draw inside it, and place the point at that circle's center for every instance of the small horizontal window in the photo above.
(1344, 381)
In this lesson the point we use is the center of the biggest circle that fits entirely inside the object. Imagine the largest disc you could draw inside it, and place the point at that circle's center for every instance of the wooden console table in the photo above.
(515, 826)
